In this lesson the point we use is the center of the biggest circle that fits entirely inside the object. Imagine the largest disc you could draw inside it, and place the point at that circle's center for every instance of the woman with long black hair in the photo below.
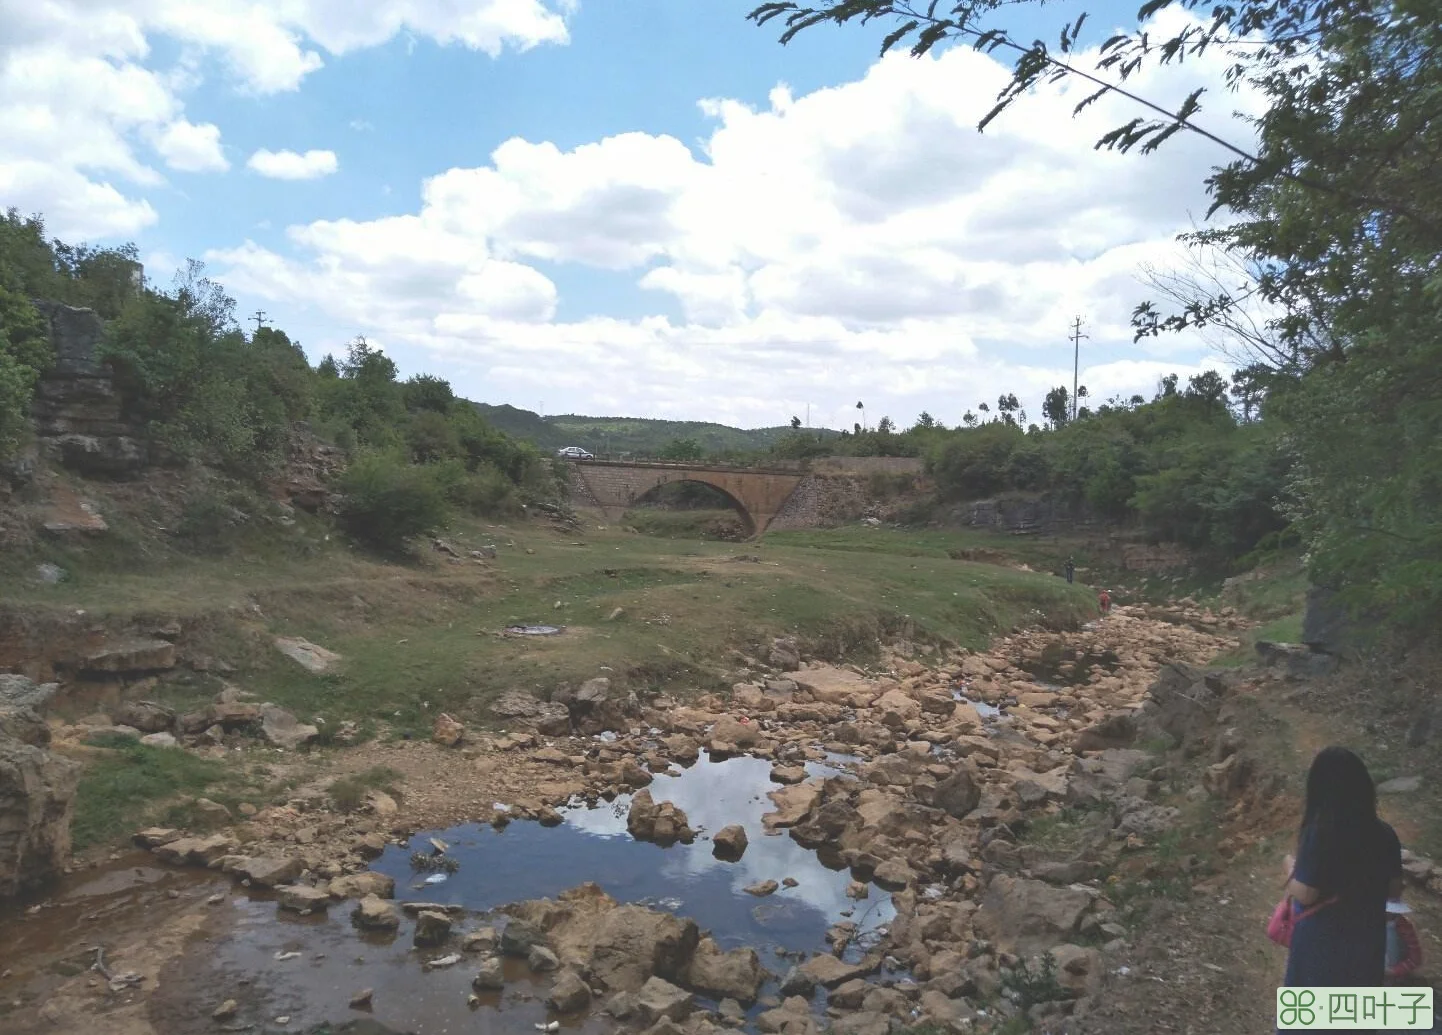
(1348, 863)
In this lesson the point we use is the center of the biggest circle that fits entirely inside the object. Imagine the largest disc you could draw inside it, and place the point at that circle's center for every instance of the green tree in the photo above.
(424, 392)
(682, 449)
(1056, 407)
(884, 426)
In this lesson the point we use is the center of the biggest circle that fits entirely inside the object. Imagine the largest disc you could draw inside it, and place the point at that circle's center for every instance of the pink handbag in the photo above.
(1279, 928)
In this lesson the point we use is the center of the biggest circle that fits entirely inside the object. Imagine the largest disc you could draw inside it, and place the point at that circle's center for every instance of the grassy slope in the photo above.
(421, 638)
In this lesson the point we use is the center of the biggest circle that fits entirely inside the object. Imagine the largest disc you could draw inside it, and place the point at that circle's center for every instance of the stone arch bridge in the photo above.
(614, 486)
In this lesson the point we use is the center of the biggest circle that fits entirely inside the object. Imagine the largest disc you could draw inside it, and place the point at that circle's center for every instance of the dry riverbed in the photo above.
(823, 847)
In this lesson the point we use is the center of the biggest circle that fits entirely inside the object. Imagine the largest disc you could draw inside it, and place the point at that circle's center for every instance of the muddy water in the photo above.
(525, 860)
(292, 973)
(1060, 665)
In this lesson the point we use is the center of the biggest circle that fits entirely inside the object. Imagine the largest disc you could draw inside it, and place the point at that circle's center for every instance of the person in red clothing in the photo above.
(1104, 601)
(1404, 948)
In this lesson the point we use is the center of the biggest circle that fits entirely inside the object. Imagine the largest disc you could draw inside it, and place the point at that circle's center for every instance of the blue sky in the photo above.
(630, 251)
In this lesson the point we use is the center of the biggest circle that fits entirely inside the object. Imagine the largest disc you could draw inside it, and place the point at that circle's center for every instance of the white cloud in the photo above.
(187, 147)
(292, 165)
(80, 87)
(860, 241)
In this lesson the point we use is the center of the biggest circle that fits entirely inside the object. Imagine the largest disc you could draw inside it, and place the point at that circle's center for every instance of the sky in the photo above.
(640, 208)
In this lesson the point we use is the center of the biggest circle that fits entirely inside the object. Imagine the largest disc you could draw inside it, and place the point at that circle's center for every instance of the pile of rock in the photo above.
(234, 716)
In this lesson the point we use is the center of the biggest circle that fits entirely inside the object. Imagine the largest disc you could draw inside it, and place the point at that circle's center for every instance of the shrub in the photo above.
(386, 503)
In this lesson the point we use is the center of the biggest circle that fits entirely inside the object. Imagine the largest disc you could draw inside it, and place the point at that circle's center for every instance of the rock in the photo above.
(359, 885)
(857, 890)
(792, 804)
(762, 888)
(482, 940)
(959, 793)
(152, 837)
(733, 731)
(447, 731)
(542, 959)
(375, 914)
(16, 691)
(362, 1000)
(306, 654)
(1115, 731)
(160, 740)
(381, 803)
(896, 708)
(212, 813)
(658, 999)
(832, 685)
(1326, 625)
(569, 994)
(197, 851)
(281, 729)
(225, 1011)
(1028, 916)
(717, 975)
(829, 972)
(491, 977)
(662, 823)
(729, 842)
(1400, 785)
(894, 875)
(1078, 970)
(788, 774)
(798, 982)
(37, 795)
(519, 938)
(784, 655)
(146, 716)
(864, 1022)
(517, 704)
(123, 657)
(231, 715)
(269, 871)
(633, 943)
(302, 898)
(431, 928)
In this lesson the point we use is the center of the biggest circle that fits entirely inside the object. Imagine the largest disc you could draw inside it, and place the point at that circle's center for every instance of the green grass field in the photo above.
(424, 637)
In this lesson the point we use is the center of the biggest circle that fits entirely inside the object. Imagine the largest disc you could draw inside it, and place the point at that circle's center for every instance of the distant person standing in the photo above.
(1104, 601)
(1070, 570)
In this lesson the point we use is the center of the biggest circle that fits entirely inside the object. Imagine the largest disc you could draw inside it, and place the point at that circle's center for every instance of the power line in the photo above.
(259, 318)
(1076, 340)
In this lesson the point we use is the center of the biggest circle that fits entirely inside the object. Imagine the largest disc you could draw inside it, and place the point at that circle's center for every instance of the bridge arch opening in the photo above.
(695, 493)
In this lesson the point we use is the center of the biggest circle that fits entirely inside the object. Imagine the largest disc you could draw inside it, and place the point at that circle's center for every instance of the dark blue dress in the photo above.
(1344, 943)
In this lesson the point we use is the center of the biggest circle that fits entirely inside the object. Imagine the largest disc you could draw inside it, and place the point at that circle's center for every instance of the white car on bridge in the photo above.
(574, 453)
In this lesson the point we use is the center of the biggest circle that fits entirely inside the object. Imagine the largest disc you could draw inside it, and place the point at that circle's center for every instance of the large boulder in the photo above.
(1115, 731)
(1326, 624)
(517, 704)
(633, 943)
(724, 975)
(837, 686)
(658, 999)
(1029, 916)
(21, 702)
(959, 793)
(729, 843)
(37, 798)
(662, 823)
(130, 656)
(145, 716)
(281, 729)
(307, 655)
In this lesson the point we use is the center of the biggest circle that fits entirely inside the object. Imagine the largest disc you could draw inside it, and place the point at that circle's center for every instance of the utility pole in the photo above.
(259, 318)
(808, 416)
(1076, 340)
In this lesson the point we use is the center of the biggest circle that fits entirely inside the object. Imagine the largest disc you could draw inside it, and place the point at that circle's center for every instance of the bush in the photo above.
(385, 503)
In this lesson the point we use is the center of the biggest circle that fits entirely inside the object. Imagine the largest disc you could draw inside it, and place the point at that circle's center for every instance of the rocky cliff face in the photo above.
(37, 790)
(77, 410)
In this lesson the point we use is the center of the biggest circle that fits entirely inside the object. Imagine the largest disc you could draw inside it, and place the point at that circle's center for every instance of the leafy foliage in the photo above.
(386, 503)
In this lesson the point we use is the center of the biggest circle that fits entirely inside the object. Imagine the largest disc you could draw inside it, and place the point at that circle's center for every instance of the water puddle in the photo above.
(1060, 665)
(526, 860)
(534, 630)
(986, 711)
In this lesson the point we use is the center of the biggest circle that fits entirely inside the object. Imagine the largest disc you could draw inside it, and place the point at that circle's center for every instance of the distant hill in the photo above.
(624, 434)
